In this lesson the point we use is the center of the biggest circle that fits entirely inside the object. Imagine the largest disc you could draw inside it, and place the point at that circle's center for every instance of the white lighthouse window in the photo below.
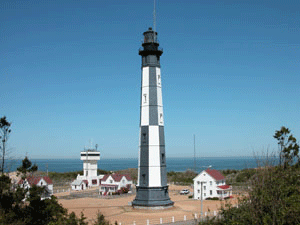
(145, 98)
(161, 117)
(158, 79)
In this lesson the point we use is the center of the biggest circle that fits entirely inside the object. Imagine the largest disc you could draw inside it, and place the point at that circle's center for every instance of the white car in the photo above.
(184, 192)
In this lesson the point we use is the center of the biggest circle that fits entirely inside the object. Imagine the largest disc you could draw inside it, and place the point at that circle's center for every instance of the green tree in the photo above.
(101, 220)
(288, 147)
(35, 211)
(4, 135)
(26, 168)
(274, 193)
(20, 206)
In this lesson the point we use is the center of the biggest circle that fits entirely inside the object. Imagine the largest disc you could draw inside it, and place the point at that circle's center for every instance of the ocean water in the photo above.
(173, 164)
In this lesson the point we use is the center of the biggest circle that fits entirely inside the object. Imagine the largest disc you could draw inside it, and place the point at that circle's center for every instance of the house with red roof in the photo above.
(211, 183)
(39, 181)
(114, 182)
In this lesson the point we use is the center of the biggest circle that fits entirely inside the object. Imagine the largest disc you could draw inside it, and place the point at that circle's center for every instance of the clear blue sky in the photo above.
(70, 72)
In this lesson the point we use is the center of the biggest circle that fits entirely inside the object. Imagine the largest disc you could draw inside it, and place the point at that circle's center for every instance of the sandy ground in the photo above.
(119, 210)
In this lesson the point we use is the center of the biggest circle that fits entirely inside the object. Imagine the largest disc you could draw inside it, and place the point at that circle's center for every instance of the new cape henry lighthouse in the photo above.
(152, 188)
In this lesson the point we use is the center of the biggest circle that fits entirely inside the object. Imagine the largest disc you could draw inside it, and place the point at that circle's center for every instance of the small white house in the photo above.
(38, 181)
(79, 185)
(114, 182)
(212, 184)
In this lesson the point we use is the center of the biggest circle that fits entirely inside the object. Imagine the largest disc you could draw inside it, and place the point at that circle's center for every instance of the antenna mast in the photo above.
(154, 20)
(195, 168)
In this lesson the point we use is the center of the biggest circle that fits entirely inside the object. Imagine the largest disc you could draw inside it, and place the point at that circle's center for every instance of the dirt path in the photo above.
(119, 210)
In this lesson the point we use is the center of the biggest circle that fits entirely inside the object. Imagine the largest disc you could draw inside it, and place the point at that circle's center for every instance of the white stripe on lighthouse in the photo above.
(158, 77)
(154, 135)
(145, 77)
(154, 177)
(144, 115)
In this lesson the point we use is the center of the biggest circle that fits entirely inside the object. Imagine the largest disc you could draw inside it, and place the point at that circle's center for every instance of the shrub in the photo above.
(124, 190)
(214, 198)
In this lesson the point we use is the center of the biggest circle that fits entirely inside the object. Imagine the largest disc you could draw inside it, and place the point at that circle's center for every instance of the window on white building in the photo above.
(198, 190)
(204, 187)
(111, 181)
(204, 194)
(210, 192)
(198, 182)
(210, 182)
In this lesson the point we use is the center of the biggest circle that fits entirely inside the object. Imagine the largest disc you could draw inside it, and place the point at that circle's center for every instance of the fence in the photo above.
(89, 193)
(175, 220)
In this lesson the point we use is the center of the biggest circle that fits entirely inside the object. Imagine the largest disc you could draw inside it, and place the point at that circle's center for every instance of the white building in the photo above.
(40, 182)
(90, 158)
(114, 182)
(213, 185)
(79, 185)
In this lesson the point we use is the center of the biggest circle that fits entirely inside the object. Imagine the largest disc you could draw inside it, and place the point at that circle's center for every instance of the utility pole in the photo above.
(202, 182)
(195, 153)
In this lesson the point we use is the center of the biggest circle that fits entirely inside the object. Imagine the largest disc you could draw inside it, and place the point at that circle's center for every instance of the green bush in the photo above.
(214, 198)
(184, 178)
(274, 194)
(245, 175)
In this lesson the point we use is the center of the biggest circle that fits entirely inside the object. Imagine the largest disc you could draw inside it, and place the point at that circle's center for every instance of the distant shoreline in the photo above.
(204, 157)
(173, 164)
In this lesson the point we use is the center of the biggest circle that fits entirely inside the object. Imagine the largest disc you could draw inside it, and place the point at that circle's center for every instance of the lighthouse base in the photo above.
(152, 198)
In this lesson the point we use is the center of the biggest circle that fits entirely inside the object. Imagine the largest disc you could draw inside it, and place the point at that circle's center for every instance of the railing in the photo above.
(151, 49)
(186, 219)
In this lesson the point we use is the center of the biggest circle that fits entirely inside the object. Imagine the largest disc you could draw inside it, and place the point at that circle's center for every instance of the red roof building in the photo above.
(215, 174)
(116, 177)
(211, 184)
(113, 182)
(44, 181)
(224, 187)
(32, 180)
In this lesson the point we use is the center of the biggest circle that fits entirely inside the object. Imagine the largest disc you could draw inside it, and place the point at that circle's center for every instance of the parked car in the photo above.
(184, 192)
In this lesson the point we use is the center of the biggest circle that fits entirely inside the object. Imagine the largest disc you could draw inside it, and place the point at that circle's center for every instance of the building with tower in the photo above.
(152, 188)
(90, 158)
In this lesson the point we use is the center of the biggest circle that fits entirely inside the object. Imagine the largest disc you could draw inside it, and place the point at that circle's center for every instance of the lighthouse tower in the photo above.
(152, 188)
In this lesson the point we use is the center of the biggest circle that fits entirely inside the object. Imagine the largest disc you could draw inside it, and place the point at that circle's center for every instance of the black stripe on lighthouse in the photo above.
(144, 157)
(153, 111)
(163, 164)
